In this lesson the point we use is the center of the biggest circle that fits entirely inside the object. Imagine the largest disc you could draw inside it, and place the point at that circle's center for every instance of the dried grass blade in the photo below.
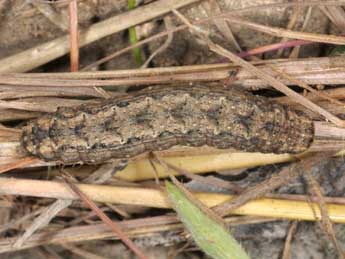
(279, 32)
(18, 163)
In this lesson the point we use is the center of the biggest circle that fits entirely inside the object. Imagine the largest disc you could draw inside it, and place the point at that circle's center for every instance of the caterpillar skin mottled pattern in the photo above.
(162, 117)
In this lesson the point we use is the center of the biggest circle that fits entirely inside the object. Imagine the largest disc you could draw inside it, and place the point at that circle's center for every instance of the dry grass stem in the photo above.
(114, 226)
(99, 176)
(278, 32)
(285, 176)
(208, 181)
(169, 25)
(148, 197)
(326, 223)
(295, 51)
(296, 12)
(134, 228)
(288, 241)
(311, 71)
(74, 37)
(55, 17)
(224, 28)
(336, 14)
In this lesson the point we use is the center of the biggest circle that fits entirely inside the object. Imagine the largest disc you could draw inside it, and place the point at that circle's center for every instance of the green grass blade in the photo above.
(133, 36)
(208, 234)
(338, 51)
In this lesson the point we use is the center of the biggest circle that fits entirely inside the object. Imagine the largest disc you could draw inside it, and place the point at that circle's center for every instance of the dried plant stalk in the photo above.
(277, 208)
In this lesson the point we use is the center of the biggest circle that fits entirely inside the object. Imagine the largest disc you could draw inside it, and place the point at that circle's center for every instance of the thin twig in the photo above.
(223, 26)
(285, 176)
(217, 183)
(73, 32)
(105, 219)
(279, 32)
(295, 51)
(326, 223)
(288, 241)
(134, 227)
(297, 10)
(20, 220)
(336, 15)
(51, 14)
(169, 25)
(101, 175)
(272, 47)
(304, 85)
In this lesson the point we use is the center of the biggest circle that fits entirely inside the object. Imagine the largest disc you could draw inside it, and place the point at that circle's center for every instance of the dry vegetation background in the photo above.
(279, 46)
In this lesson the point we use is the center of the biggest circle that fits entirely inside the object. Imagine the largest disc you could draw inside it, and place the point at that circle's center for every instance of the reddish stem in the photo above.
(272, 47)
(73, 30)
(114, 227)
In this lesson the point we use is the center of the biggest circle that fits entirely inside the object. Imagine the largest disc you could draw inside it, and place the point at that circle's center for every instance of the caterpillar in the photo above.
(161, 117)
